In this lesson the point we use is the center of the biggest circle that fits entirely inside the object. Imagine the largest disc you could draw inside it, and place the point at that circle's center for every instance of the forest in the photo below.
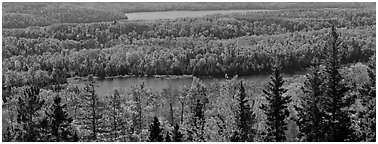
(23, 15)
(44, 45)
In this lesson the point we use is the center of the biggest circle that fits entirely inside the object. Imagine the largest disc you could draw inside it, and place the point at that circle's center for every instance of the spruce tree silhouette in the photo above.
(338, 121)
(168, 137)
(276, 109)
(245, 120)
(60, 122)
(177, 136)
(310, 114)
(155, 131)
(28, 105)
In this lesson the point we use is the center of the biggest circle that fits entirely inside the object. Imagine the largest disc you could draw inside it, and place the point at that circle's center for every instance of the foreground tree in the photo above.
(170, 97)
(276, 109)
(60, 123)
(155, 131)
(115, 117)
(245, 119)
(310, 115)
(176, 134)
(367, 122)
(28, 109)
(91, 106)
(168, 137)
(144, 107)
(197, 100)
(338, 122)
(8, 135)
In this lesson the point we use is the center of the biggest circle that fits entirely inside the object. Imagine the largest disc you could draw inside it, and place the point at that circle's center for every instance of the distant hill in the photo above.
(21, 15)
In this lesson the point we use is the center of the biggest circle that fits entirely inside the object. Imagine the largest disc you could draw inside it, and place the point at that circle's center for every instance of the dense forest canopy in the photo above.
(45, 44)
(22, 15)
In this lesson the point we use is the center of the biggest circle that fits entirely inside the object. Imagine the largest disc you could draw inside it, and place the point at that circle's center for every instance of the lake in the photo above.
(180, 14)
(157, 84)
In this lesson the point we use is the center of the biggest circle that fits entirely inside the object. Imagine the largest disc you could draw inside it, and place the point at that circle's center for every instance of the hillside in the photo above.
(22, 15)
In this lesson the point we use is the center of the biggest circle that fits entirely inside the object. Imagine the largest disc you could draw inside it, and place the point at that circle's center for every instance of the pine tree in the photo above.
(168, 137)
(177, 136)
(199, 117)
(338, 122)
(276, 109)
(60, 122)
(75, 137)
(44, 133)
(27, 112)
(310, 114)
(155, 131)
(245, 119)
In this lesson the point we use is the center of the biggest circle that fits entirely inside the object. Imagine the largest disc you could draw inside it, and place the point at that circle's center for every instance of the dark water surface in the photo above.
(180, 14)
(157, 84)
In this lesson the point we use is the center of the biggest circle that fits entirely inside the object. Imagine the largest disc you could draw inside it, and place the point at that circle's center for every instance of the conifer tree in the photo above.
(168, 137)
(177, 136)
(27, 112)
(197, 103)
(155, 131)
(245, 119)
(44, 133)
(337, 120)
(59, 122)
(276, 109)
(310, 115)
(76, 137)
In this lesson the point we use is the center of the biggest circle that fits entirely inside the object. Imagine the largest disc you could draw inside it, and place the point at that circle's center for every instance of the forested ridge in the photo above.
(185, 46)
(22, 15)
(333, 101)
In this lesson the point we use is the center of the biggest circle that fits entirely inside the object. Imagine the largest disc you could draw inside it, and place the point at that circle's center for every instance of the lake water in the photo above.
(157, 84)
(180, 14)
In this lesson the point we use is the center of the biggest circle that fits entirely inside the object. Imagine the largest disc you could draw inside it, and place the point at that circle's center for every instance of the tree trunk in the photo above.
(114, 123)
(182, 112)
(94, 117)
(171, 113)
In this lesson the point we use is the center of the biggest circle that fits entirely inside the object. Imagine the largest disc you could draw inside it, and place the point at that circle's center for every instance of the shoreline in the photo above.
(168, 77)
